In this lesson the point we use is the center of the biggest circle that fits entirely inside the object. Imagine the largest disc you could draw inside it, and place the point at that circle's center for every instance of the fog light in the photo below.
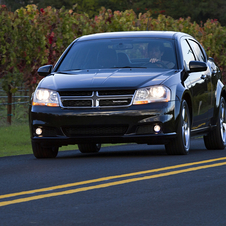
(157, 128)
(38, 131)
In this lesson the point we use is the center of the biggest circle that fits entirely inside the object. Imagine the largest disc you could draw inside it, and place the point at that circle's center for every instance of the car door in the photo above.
(199, 84)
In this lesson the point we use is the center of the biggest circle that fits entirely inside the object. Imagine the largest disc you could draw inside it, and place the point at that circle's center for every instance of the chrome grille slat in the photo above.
(96, 99)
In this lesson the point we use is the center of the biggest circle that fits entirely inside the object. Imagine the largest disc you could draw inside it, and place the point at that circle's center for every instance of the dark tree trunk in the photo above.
(9, 108)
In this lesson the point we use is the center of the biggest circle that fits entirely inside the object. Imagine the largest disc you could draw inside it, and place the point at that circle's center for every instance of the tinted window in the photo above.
(110, 53)
(197, 50)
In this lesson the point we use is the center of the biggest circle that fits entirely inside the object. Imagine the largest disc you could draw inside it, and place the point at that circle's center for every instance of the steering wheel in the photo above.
(158, 64)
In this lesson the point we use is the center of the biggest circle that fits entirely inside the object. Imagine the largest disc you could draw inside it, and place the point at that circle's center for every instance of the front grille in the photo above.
(95, 130)
(77, 103)
(145, 129)
(96, 99)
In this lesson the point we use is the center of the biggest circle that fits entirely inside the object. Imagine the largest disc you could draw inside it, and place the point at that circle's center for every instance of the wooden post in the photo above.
(9, 108)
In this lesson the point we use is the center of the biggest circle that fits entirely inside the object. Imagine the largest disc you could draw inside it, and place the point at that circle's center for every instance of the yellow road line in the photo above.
(104, 185)
(109, 178)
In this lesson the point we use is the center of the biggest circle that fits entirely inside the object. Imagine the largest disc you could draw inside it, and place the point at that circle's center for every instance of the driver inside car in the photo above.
(155, 53)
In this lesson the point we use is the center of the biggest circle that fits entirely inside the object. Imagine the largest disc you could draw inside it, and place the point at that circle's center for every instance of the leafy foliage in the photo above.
(197, 10)
(8, 49)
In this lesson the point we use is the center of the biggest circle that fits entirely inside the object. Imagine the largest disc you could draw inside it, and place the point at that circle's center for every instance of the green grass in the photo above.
(14, 140)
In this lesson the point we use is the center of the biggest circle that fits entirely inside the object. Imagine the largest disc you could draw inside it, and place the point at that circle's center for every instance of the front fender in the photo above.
(220, 91)
(183, 93)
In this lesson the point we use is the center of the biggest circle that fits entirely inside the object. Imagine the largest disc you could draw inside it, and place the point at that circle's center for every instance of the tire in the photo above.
(216, 139)
(181, 144)
(89, 148)
(44, 152)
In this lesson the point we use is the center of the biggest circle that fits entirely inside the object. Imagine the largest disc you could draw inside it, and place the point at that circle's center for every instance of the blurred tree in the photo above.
(15, 4)
(68, 4)
(116, 5)
(197, 10)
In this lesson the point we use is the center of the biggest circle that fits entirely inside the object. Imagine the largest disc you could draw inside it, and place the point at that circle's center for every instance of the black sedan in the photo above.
(122, 87)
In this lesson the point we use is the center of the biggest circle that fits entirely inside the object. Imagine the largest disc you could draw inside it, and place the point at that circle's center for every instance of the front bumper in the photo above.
(119, 125)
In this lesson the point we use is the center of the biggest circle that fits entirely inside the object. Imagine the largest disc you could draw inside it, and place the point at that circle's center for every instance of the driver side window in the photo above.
(187, 53)
(198, 52)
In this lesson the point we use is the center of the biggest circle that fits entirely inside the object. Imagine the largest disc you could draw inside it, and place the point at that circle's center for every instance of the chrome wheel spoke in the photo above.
(185, 128)
(223, 123)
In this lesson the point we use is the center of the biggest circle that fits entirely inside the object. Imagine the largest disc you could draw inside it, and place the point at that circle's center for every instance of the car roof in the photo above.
(133, 34)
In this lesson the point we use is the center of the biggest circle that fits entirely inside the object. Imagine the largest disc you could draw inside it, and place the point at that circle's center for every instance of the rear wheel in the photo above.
(181, 144)
(216, 139)
(44, 152)
(89, 148)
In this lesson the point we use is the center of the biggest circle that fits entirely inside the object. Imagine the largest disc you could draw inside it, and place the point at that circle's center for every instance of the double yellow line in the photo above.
(49, 191)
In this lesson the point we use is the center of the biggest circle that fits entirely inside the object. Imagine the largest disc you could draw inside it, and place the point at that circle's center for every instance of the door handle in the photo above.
(205, 77)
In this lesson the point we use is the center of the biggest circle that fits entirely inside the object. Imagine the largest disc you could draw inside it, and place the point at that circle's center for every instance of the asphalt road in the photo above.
(124, 185)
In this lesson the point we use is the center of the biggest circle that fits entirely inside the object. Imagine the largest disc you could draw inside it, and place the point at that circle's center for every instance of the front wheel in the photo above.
(44, 152)
(181, 144)
(216, 139)
(89, 148)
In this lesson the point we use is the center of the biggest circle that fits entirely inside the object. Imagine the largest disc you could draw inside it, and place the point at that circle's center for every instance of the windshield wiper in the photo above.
(129, 67)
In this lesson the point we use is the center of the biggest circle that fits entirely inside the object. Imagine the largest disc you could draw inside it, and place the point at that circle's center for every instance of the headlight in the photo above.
(46, 97)
(152, 94)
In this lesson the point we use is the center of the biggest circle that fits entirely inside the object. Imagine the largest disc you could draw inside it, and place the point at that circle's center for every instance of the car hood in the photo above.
(104, 78)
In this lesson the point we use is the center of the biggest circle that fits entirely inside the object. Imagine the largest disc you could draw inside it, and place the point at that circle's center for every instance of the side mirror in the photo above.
(197, 66)
(211, 59)
(45, 70)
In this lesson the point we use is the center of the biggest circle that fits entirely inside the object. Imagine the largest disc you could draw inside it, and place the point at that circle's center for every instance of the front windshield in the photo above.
(120, 53)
